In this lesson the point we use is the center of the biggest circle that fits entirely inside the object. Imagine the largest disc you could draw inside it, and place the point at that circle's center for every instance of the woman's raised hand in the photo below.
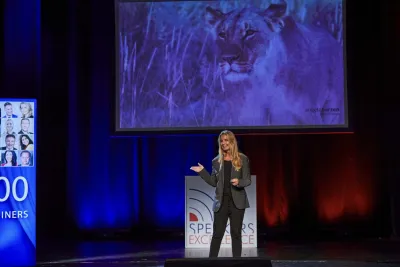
(198, 168)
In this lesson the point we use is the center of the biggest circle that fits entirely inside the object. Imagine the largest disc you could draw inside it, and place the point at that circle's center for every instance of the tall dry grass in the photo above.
(168, 66)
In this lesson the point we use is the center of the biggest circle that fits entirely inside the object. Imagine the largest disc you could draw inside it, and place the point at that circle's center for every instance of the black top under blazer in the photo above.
(216, 179)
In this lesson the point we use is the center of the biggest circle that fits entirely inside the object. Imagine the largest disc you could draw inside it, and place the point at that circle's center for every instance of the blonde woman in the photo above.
(26, 110)
(230, 175)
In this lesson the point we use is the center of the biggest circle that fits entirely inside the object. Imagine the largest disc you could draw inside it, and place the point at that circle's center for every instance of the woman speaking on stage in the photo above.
(230, 175)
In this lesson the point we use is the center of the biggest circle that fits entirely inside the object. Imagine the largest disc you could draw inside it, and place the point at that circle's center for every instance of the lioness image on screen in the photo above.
(231, 63)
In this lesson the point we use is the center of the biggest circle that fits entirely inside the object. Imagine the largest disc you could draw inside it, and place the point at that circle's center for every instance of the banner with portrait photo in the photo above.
(18, 182)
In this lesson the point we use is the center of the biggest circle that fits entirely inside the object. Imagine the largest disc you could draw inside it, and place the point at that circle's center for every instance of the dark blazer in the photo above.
(216, 179)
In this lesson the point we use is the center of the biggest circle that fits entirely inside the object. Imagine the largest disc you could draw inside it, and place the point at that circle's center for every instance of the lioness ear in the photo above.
(213, 15)
(273, 16)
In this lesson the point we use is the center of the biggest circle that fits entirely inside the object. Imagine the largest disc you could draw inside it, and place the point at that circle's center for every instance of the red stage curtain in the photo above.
(334, 175)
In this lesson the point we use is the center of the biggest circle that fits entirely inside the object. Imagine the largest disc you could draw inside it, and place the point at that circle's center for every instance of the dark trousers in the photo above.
(227, 210)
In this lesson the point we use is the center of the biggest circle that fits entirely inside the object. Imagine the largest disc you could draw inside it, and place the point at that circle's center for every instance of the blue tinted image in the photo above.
(231, 63)
(18, 182)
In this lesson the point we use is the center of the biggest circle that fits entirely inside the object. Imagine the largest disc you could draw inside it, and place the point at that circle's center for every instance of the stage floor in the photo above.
(369, 253)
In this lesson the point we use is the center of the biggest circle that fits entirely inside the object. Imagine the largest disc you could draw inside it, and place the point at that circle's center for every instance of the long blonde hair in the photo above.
(234, 151)
(30, 111)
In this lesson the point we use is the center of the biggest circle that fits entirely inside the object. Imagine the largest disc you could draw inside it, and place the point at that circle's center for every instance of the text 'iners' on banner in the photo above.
(199, 215)
(18, 182)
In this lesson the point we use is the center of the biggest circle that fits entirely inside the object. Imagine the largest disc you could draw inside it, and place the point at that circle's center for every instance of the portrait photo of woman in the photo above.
(26, 110)
(9, 159)
(25, 142)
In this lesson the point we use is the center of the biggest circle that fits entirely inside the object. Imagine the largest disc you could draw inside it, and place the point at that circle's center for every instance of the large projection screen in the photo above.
(237, 64)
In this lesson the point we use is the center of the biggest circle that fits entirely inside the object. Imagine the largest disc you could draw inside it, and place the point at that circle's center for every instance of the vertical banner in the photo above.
(18, 182)
(199, 215)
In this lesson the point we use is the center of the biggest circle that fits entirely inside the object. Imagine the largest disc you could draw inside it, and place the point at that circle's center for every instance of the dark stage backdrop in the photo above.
(89, 181)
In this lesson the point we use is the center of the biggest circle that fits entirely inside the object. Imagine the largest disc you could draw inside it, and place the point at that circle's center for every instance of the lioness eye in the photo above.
(250, 32)
(222, 35)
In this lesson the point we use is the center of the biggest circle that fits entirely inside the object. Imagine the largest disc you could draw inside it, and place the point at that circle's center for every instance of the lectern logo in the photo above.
(199, 215)
(200, 206)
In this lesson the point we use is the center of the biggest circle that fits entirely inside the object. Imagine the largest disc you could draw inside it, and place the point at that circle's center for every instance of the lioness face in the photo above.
(242, 37)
